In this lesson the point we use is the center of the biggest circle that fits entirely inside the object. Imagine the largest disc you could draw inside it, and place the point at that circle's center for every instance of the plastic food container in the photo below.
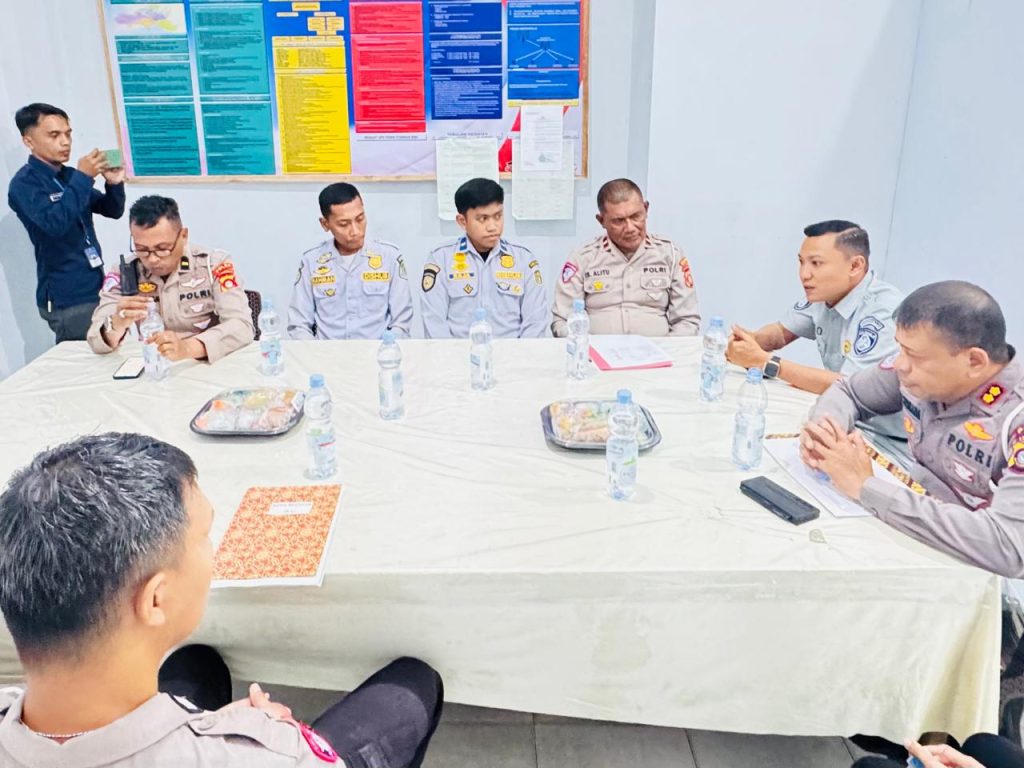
(256, 412)
(582, 425)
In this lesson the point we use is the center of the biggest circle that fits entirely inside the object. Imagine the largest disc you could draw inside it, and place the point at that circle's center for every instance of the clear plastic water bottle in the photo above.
(748, 439)
(157, 366)
(712, 362)
(481, 354)
(389, 378)
(577, 348)
(622, 450)
(271, 359)
(320, 435)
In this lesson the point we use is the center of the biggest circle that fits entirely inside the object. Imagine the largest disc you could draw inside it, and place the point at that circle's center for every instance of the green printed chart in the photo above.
(289, 89)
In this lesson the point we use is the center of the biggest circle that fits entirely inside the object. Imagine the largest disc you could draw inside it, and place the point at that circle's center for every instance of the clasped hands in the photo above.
(825, 445)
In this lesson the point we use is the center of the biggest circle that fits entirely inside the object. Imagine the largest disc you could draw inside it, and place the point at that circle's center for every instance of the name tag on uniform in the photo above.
(376, 276)
(508, 275)
(92, 253)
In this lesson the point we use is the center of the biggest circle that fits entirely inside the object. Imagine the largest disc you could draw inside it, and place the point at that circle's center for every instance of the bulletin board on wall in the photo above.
(283, 90)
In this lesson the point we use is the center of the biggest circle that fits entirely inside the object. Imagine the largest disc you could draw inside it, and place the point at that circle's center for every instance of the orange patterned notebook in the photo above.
(278, 537)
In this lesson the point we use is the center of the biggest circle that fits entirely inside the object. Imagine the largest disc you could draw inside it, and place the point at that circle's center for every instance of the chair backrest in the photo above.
(255, 305)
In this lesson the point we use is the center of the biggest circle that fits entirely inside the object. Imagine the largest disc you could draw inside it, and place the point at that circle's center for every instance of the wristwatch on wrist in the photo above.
(771, 368)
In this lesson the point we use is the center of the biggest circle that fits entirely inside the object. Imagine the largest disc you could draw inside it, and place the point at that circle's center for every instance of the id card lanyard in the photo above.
(92, 253)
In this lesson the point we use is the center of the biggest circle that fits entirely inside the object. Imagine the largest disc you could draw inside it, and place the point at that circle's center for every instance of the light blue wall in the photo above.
(267, 226)
(960, 197)
(767, 116)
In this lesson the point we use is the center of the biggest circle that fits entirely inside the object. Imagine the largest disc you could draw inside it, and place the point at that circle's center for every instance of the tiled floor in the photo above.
(473, 737)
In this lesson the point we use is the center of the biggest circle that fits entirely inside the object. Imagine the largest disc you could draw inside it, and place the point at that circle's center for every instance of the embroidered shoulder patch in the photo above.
(867, 335)
(569, 271)
(1015, 451)
(224, 274)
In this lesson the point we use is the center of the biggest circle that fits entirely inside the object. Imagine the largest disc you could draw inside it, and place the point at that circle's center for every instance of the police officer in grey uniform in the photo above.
(960, 390)
(349, 287)
(199, 295)
(631, 282)
(847, 311)
(105, 564)
(482, 269)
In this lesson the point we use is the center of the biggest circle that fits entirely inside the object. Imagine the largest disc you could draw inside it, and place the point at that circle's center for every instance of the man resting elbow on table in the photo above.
(200, 298)
(960, 388)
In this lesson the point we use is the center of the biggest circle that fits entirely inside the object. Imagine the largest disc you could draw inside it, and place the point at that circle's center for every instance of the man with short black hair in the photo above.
(105, 566)
(846, 309)
(55, 203)
(960, 388)
(630, 281)
(348, 287)
(482, 269)
(205, 311)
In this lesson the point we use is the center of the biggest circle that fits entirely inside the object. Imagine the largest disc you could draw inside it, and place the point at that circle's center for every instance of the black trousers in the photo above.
(70, 323)
(988, 749)
(387, 722)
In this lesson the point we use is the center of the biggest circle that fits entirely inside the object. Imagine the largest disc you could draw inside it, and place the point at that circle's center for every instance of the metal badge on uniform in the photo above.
(92, 253)
(508, 260)
(323, 258)
(147, 287)
(975, 431)
(376, 262)
(991, 395)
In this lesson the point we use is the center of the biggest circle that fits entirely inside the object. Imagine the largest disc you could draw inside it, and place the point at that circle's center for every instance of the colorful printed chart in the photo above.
(289, 89)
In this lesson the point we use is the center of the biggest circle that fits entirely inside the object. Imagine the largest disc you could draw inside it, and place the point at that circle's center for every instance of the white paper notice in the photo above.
(458, 161)
(786, 451)
(540, 134)
(543, 195)
(623, 353)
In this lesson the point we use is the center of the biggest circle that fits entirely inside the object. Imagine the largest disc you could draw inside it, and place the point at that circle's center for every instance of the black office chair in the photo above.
(255, 305)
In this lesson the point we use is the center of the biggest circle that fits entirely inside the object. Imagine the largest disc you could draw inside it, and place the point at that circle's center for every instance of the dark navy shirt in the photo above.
(56, 207)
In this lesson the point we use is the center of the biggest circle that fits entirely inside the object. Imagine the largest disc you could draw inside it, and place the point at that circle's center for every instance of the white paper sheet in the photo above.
(458, 161)
(786, 451)
(623, 353)
(543, 195)
(540, 136)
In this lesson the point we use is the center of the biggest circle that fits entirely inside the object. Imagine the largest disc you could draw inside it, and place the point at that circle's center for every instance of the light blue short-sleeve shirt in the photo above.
(858, 332)
(350, 297)
(456, 280)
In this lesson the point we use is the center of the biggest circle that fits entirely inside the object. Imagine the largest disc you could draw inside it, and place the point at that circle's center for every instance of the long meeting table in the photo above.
(467, 540)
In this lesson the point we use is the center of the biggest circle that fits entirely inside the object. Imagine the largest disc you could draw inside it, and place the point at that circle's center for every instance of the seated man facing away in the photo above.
(204, 309)
(630, 281)
(960, 388)
(483, 269)
(105, 564)
(349, 287)
(847, 310)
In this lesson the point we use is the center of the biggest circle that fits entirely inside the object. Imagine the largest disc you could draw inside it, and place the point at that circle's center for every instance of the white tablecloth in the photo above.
(466, 540)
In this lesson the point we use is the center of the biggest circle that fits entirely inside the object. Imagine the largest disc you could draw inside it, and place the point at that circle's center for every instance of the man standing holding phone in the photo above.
(55, 203)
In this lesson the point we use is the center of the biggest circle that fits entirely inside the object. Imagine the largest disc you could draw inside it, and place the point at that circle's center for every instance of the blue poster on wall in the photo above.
(307, 88)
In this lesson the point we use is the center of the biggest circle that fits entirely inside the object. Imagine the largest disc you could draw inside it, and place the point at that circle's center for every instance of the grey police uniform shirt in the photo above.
(351, 297)
(970, 459)
(858, 332)
(456, 280)
(166, 731)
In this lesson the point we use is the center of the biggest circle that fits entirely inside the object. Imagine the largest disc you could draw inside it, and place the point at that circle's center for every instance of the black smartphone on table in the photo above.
(778, 500)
